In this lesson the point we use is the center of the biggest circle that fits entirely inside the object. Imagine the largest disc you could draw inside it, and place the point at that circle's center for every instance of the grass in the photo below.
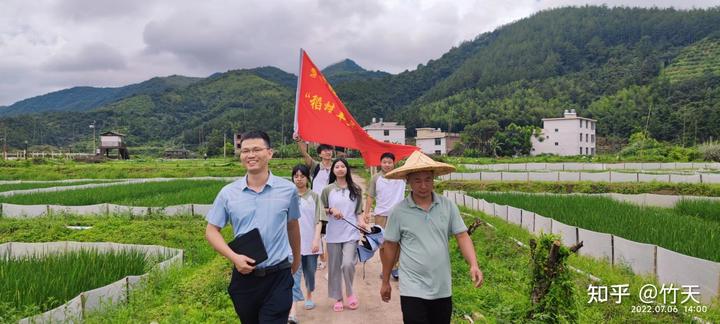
(190, 294)
(695, 60)
(25, 186)
(197, 292)
(35, 284)
(664, 227)
(687, 189)
(505, 298)
(600, 158)
(706, 209)
(154, 194)
(140, 168)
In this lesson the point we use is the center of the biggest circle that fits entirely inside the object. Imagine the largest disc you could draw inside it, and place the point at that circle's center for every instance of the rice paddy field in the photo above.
(197, 291)
(153, 194)
(679, 229)
(35, 284)
(139, 168)
(687, 189)
(38, 185)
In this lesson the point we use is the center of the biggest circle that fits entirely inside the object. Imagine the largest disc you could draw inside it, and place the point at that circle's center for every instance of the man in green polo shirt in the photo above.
(418, 233)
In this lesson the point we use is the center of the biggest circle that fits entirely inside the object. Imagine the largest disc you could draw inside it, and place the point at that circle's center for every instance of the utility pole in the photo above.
(224, 145)
(5, 143)
(94, 152)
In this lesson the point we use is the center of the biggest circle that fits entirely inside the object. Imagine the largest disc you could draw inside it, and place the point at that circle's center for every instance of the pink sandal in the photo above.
(338, 307)
(353, 302)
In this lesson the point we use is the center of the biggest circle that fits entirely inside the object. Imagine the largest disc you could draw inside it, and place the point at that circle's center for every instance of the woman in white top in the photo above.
(343, 202)
(311, 213)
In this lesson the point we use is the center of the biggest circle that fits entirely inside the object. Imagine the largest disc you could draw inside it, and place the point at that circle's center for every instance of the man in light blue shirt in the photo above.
(261, 293)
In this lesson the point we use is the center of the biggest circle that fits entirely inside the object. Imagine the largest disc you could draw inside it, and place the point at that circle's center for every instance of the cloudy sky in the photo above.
(48, 45)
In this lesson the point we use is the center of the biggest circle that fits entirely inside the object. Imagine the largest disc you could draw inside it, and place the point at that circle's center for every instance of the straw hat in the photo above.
(420, 162)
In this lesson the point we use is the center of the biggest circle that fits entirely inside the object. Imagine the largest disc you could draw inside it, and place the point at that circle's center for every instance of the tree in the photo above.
(477, 136)
(515, 140)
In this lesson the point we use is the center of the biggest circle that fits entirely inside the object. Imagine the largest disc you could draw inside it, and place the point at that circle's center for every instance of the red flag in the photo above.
(321, 117)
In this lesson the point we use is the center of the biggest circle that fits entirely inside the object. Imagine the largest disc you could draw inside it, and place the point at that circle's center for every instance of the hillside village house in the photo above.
(569, 135)
(389, 132)
(435, 141)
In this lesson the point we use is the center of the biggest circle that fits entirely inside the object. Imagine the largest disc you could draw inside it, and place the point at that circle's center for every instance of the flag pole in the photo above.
(297, 93)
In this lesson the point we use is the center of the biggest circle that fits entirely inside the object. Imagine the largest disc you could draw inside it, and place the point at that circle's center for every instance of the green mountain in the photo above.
(570, 58)
(88, 98)
(632, 69)
(347, 70)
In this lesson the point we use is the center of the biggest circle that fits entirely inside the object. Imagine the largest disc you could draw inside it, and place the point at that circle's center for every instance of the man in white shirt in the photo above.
(386, 193)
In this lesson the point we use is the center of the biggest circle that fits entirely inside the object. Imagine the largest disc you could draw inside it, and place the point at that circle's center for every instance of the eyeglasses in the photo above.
(254, 150)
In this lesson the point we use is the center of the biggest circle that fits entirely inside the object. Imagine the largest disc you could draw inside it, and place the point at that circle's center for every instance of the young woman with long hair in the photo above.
(342, 200)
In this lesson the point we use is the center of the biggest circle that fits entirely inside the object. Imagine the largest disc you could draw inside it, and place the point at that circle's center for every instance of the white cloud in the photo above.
(48, 45)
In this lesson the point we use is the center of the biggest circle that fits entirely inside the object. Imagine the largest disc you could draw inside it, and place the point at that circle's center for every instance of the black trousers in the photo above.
(262, 299)
(426, 311)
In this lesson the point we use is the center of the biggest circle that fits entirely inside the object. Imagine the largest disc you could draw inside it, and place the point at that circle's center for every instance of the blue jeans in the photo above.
(309, 266)
(297, 294)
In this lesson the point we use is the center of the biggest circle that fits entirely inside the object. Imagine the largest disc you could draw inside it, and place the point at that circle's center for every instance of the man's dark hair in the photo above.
(323, 147)
(387, 155)
(255, 134)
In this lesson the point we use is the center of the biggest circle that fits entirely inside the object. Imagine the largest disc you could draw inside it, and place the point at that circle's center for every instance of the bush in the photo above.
(645, 148)
(710, 151)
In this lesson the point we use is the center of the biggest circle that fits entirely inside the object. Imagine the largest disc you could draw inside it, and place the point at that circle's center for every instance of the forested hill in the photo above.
(607, 63)
(629, 68)
(88, 98)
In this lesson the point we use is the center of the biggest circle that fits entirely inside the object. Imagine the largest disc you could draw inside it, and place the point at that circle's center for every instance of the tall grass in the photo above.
(505, 295)
(154, 194)
(140, 168)
(25, 186)
(39, 283)
(703, 208)
(688, 189)
(661, 226)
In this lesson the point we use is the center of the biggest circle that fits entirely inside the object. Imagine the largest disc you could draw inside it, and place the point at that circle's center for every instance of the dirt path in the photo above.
(372, 309)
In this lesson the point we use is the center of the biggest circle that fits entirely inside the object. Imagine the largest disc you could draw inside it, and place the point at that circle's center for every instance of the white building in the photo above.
(569, 135)
(435, 141)
(389, 132)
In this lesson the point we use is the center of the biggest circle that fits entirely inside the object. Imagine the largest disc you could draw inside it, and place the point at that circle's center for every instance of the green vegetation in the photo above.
(553, 292)
(641, 145)
(154, 194)
(24, 186)
(35, 284)
(194, 293)
(685, 234)
(197, 292)
(710, 151)
(706, 209)
(695, 60)
(505, 296)
(688, 189)
(142, 168)
(87, 98)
